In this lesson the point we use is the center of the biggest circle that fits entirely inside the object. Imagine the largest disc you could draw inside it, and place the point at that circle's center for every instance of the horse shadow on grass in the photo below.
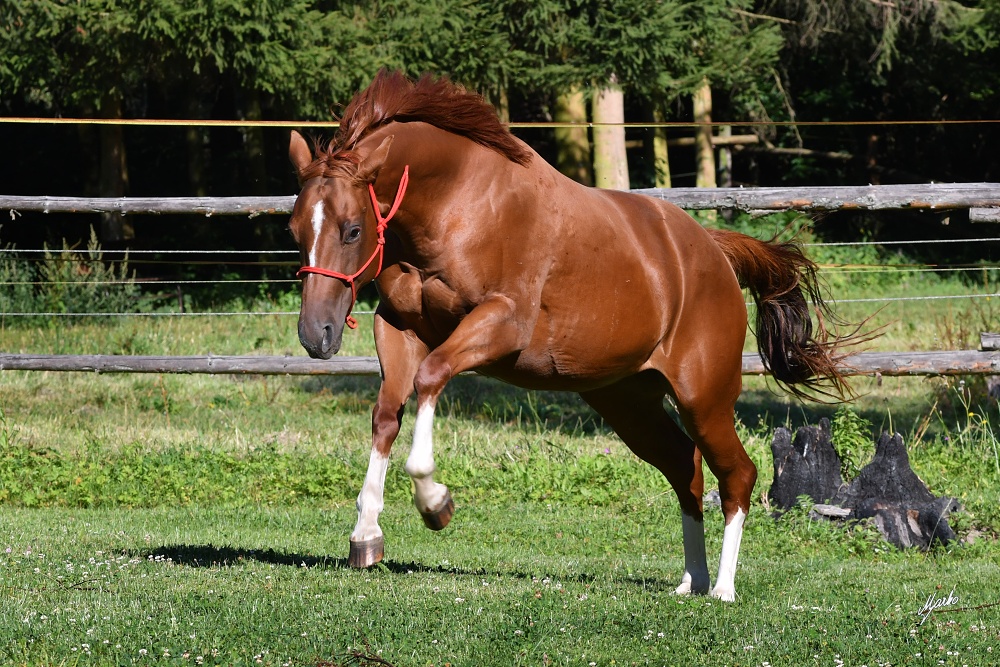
(212, 556)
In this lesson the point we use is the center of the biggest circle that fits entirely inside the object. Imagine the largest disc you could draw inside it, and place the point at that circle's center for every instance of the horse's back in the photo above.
(623, 277)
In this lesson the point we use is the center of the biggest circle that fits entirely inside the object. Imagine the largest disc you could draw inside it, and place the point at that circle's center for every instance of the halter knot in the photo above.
(380, 227)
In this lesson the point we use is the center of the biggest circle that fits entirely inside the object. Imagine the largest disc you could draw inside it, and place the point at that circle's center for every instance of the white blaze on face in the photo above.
(317, 223)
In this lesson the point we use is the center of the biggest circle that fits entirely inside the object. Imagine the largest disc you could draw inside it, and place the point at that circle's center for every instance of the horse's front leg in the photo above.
(488, 333)
(400, 354)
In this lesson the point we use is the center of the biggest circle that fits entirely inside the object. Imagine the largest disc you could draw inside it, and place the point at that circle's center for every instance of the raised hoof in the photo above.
(439, 518)
(366, 553)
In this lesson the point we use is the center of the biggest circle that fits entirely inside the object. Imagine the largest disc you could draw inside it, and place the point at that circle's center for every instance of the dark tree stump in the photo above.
(918, 526)
(904, 509)
(806, 465)
(886, 490)
(887, 479)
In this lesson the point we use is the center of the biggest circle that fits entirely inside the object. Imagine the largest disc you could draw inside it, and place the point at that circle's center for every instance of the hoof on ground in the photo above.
(366, 553)
(724, 594)
(690, 587)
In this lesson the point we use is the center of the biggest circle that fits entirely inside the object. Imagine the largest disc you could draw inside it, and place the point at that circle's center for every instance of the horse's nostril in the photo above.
(327, 337)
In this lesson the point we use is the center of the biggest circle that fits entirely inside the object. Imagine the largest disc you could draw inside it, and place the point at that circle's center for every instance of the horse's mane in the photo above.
(392, 97)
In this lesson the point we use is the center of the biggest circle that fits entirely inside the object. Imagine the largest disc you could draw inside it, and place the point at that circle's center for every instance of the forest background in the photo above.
(770, 68)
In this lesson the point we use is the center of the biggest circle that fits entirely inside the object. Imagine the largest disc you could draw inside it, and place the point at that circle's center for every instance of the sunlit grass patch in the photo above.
(505, 584)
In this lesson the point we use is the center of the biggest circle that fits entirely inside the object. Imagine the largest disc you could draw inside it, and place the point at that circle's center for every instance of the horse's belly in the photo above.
(557, 368)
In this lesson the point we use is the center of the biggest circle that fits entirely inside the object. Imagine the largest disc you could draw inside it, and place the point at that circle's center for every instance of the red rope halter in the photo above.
(379, 251)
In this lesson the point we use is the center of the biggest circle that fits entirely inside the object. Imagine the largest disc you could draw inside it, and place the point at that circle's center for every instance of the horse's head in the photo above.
(338, 237)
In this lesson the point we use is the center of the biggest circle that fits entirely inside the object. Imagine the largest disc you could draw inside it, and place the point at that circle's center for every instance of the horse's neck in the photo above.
(438, 165)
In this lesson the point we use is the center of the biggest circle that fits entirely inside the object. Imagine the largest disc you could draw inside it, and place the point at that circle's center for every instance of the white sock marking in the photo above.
(427, 495)
(370, 500)
(317, 222)
(725, 587)
(695, 579)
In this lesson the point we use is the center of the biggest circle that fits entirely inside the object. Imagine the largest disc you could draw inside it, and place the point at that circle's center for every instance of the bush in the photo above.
(66, 282)
(853, 440)
(17, 293)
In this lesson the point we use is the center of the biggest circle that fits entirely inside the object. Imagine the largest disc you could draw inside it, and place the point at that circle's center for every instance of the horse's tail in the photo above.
(782, 282)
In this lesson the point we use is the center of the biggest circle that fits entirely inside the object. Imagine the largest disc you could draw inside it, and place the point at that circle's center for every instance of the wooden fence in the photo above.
(981, 199)
(966, 362)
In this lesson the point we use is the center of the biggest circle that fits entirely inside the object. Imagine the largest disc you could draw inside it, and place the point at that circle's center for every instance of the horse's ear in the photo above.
(368, 169)
(299, 153)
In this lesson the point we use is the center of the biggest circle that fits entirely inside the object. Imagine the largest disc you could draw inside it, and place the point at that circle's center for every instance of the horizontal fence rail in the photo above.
(983, 200)
(210, 365)
(207, 206)
(965, 362)
(931, 196)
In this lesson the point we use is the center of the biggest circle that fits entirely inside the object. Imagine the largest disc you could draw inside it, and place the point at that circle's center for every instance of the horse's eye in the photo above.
(352, 234)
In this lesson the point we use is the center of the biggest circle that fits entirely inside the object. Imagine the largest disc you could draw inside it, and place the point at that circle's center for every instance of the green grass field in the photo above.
(508, 583)
(157, 519)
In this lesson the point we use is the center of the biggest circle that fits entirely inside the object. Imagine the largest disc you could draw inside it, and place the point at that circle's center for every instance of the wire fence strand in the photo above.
(151, 283)
(291, 124)
(882, 299)
(830, 244)
(103, 251)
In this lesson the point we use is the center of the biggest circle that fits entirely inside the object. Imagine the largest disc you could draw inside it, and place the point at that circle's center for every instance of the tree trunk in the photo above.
(195, 137)
(726, 166)
(871, 160)
(113, 176)
(610, 162)
(264, 229)
(704, 153)
(572, 144)
(661, 157)
(253, 143)
(502, 104)
(725, 158)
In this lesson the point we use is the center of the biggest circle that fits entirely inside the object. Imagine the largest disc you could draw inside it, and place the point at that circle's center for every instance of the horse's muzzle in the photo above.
(321, 340)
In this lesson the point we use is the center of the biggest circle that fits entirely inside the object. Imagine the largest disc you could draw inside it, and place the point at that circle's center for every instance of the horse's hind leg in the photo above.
(634, 409)
(706, 399)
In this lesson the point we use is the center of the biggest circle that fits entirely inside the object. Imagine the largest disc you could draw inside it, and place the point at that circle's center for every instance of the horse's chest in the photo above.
(424, 303)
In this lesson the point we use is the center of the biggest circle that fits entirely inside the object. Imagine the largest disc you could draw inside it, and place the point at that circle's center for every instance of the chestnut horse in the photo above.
(486, 258)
